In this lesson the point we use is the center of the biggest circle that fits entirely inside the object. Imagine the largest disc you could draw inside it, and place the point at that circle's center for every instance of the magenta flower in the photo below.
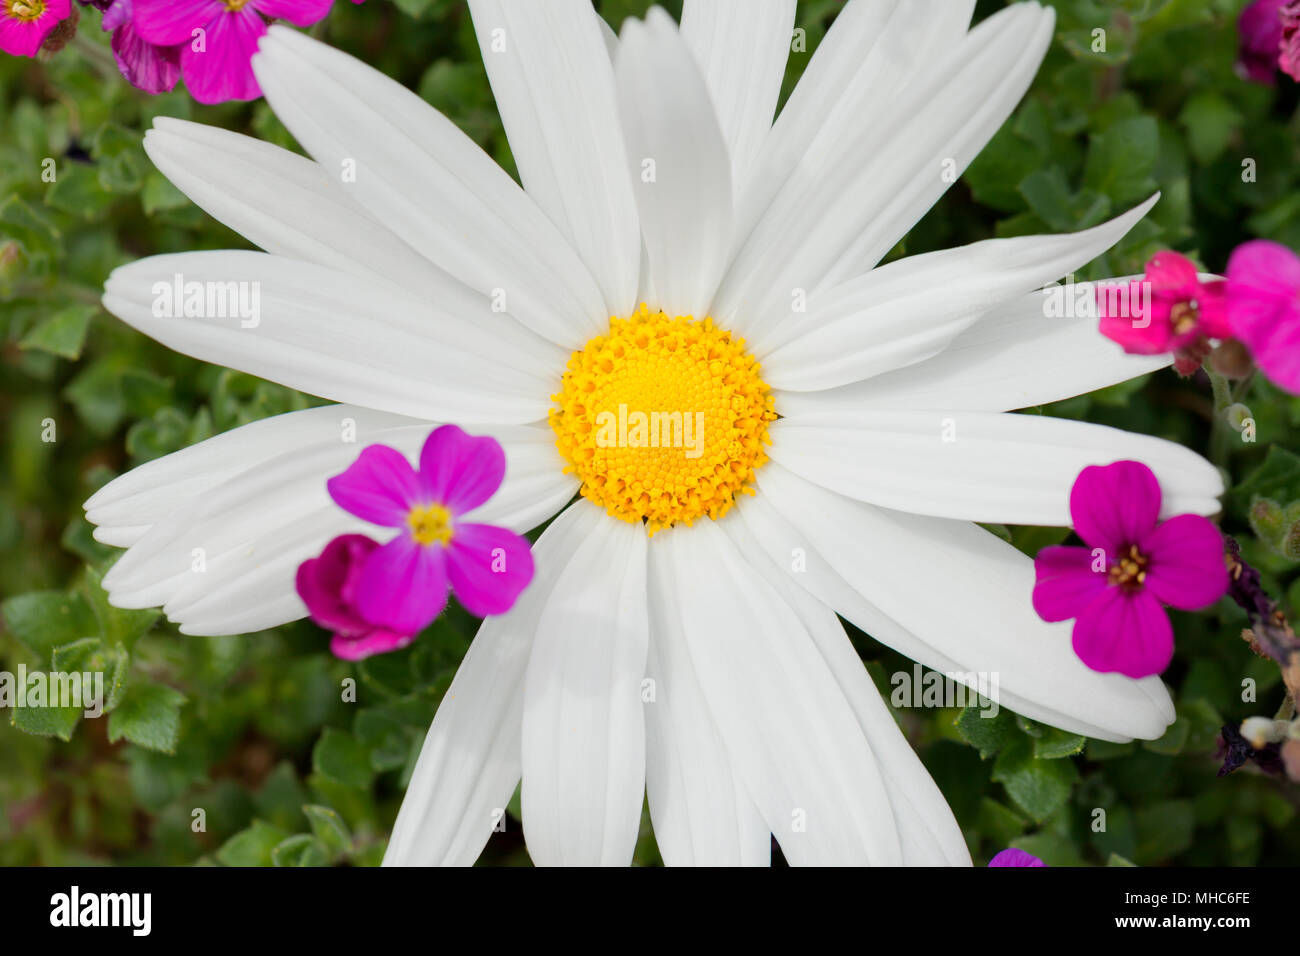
(154, 69)
(24, 24)
(1260, 30)
(217, 38)
(1169, 310)
(1289, 58)
(330, 585)
(1013, 857)
(402, 586)
(1264, 308)
(1115, 587)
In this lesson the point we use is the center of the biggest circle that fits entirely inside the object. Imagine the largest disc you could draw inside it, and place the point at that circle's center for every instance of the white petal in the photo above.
(335, 335)
(952, 596)
(741, 47)
(268, 510)
(834, 205)
(1014, 357)
(413, 170)
(554, 86)
(980, 466)
(470, 762)
(701, 812)
(679, 164)
(910, 310)
(583, 726)
(791, 735)
(873, 52)
(288, 205)
(927, 830)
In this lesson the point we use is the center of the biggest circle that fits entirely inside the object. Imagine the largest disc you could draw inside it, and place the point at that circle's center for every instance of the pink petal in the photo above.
(302, 13)
(328, 584)
(1141, 327)
(403, 586)
(489, 568)
(154, 69)
(1066, 582)
(1264, 307)
(1213, 302)
(374, 641)
(379, 487)
(1260, 29)
(460, 471)
(24, 37)
(1186, 562)
(1115, 506)
(1014, 857)
(1173, 275)
(1124, 631)
(171, 22)
(223, 69)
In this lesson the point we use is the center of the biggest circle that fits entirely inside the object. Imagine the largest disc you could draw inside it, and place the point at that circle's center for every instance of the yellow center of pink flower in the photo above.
(429, 524)
(233, 5)
(25, 9)
(1130, 571)
(1185, 316)
(663, 419)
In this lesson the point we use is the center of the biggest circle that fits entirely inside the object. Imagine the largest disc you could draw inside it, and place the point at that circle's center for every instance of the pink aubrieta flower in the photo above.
(402, 585)
(1170, 309)
(153, 69)
(1260, 30)
(1013, 857)
(1264, 308)
(330, 586)
(1289, 58)
(1133, 564)
(24, 24)
(217, 38)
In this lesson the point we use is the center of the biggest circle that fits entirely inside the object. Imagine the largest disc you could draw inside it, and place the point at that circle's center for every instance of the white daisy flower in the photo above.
(408, 277)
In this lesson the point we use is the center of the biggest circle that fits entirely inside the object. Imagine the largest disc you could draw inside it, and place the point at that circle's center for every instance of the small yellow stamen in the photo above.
(664, 419)
(1130, 571)
(235, 5)
(1185, 316)
(430, 523)
(25, 9)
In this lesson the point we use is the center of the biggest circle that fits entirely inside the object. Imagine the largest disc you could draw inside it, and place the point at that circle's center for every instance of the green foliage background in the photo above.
(251, 728)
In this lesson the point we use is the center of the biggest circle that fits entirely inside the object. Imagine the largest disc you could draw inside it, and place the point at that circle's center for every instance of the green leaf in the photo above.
(341, 758)
(149, 715)
(1121, 160)
(42, 620)
(46, 721)
(92, 655)
(1039, 787)
(988, 734)
(1054, 744)
(1164, 830)
(251, 847)
(301, 849)
(117, 625)
(1210, 121)
(1278, 478)
(62, 334)
(1116, 860)
(1172, 741)
(329, 828)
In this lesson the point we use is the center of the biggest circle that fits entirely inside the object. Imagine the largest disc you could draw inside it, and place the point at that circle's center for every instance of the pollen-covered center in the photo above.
(25, 9)
(429, 523)
(663, 419)
(1130, 571)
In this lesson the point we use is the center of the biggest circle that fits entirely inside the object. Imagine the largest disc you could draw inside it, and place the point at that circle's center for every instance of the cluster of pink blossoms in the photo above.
(378, 597)
(1172, 308)
(210, 43)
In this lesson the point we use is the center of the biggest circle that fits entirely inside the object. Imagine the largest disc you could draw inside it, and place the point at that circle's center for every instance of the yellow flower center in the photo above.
(429, 523)
(1185, 316)
(235, 5)
(26, 9)
(1130, 571)
(664, 419)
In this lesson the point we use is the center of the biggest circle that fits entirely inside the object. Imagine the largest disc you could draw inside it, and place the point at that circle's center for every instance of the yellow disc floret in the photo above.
(663, 419)
(429, 523)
